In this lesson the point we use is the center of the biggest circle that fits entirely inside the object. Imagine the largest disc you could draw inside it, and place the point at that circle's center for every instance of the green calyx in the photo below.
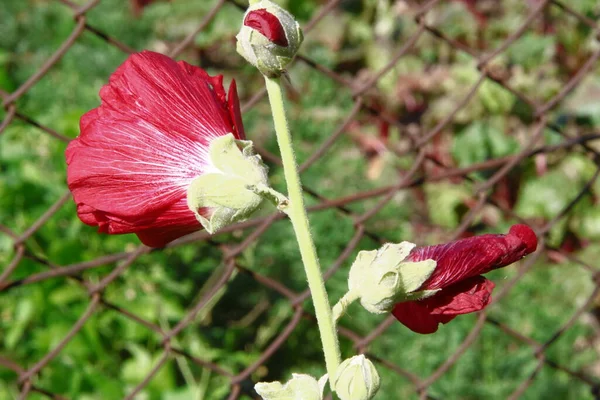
(300, 387)
(381, 278)
(222, 196)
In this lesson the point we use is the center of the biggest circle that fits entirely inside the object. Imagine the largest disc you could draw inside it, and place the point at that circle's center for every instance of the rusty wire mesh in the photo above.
(427, 168)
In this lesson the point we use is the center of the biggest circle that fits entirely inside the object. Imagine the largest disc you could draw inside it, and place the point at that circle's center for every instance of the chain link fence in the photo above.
(429, 166)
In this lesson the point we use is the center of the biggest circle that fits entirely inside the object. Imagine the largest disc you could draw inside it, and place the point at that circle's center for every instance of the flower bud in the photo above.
(356, 379)
(300, 387)
(381, 278)
(222, 195)
(270, 37)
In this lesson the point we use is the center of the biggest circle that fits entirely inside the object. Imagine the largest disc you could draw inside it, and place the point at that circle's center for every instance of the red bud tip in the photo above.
(526, 235)
(268, 25)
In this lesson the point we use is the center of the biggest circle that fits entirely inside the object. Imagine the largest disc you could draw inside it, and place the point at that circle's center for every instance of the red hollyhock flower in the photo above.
(138, 152)
(460, 265)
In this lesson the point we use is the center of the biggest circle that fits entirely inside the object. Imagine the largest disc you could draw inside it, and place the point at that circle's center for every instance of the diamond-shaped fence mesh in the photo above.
(420, 121)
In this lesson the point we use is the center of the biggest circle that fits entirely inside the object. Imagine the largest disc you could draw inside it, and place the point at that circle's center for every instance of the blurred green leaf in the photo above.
(481, 141)
(23, 315)
(531, 49)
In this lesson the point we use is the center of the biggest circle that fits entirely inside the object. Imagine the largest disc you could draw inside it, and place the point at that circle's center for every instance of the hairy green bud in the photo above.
(356, 379)
(270, 37)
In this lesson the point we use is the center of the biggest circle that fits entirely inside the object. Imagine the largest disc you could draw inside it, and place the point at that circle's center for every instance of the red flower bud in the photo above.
(268, 25)
(269, 38)
(458, 278)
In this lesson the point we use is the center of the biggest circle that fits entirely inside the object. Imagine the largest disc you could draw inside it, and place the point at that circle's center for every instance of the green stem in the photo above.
(340, 308)
(297, 214)
(279, 200)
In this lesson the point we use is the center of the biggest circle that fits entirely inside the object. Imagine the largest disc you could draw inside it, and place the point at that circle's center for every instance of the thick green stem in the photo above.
(297, 214)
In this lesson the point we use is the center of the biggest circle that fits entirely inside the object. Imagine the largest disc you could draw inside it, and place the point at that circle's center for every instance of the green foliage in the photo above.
(481, 141)
(531, 50)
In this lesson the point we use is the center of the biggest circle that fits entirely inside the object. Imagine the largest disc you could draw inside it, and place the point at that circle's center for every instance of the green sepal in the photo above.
(300, 387)
(382, 278)
(414, 274)
(237, 158)
(222, 193)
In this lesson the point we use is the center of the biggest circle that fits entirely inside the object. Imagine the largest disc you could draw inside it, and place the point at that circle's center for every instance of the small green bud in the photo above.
(270, 37)
(222, 195)
(300, 387)
(356, 379)
(381, 278)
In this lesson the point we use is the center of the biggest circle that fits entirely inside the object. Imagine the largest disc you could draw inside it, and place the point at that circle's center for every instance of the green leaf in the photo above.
(532, 50)
(22, 316)
(445, 201)
(481, 141)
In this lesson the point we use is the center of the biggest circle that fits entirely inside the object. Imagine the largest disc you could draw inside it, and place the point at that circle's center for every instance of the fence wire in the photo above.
(427, 168)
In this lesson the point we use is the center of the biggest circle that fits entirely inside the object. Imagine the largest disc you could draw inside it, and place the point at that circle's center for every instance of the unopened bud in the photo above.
(381, 278)
(300, 387)
(270, 37)
(222, 195)
(356, 379)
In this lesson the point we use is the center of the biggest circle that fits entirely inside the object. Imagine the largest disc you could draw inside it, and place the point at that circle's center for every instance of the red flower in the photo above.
(460, 265)
(138, 152)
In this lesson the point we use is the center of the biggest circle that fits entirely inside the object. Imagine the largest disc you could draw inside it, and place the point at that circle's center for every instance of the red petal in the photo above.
(175, 97)
(465, 297)
(160, 237)
(176, 218)
(165, 227)
(424, 316)
(417, 317)
(526, 234)
(138, 152)
(234, 111)
(474, 256)
(268, 25)
(124, 167)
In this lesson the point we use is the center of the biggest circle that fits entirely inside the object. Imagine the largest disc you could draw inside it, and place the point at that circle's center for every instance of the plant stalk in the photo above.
(297, 214)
